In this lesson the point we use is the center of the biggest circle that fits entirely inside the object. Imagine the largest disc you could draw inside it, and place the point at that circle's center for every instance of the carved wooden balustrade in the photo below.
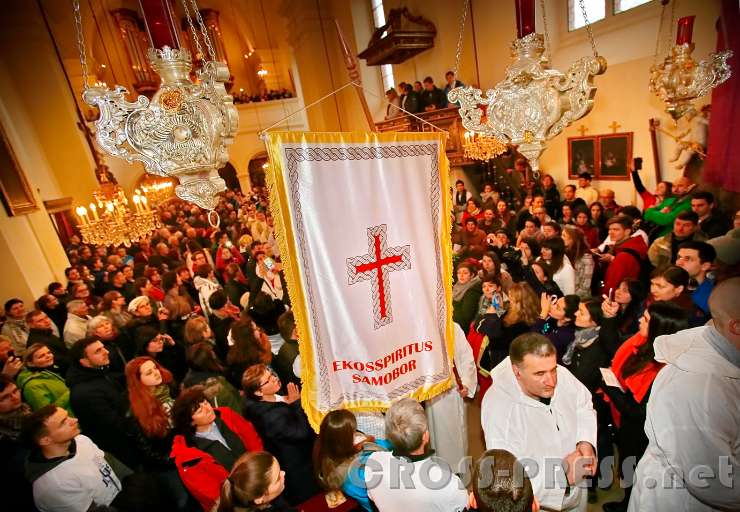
(447, 119)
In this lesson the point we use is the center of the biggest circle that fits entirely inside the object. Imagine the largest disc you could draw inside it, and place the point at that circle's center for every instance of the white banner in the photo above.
(365, 243)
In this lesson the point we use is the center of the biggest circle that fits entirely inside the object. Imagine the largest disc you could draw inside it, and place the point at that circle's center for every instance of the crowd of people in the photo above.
(580, 294)
(263, 95)
(166, 376)
(419, 96)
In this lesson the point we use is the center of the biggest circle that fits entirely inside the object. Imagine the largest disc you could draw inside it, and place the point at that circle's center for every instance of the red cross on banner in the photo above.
(375, 267)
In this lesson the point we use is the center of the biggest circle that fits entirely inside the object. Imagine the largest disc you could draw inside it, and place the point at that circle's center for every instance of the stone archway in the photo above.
(228, 173)
(257, 169)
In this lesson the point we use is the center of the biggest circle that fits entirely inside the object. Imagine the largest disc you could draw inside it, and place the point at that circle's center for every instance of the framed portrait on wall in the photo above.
(582, 155)
(615, 156)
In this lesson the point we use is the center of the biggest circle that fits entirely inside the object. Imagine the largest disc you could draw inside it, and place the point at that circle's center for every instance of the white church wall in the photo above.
(627, 41)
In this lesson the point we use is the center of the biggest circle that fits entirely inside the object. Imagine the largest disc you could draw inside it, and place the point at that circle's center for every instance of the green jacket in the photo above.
(677, 206)
(43, 387)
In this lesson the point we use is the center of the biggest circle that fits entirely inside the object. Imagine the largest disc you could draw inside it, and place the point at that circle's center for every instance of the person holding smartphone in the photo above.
(11, 364)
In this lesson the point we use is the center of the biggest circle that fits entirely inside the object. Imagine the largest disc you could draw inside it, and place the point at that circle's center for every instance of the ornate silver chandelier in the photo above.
(533, 103)
(679, 79)
(184, 131)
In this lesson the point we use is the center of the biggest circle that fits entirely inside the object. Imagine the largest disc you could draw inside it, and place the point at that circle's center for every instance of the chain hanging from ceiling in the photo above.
(533, 103)
(184, 130)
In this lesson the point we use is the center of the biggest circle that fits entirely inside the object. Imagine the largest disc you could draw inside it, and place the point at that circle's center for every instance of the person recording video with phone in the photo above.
(227, 253)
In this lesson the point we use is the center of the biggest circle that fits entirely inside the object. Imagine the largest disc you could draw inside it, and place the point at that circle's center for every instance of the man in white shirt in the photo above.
(692, 424)
(541, 413)
(410, 478)
(585, 191)
(66, 469)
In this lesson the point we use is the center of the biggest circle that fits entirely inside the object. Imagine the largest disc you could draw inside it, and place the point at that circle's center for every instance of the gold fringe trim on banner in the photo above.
(285, 237)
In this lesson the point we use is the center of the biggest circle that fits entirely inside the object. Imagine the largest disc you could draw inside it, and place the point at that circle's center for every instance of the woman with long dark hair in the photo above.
(552, 252)
(635, 367)
(508, 219)
(556, 321)
(250, 346)
(340, 455)
(586, 355)
(598, 218)
(630, 295)
(576, 249)
(539, 276)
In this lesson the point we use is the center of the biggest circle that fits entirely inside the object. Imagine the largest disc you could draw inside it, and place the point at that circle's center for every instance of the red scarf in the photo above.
(638, 383)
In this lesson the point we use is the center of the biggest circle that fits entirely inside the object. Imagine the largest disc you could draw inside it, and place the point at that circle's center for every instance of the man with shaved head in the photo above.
(693, 418)
(666, 212)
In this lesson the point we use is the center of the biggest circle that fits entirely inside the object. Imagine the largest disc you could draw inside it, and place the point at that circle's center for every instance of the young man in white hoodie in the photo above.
(67, 470)
(693, 418)
(538, 411)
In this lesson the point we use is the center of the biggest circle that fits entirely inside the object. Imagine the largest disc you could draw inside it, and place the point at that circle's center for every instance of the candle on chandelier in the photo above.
(685, 30)
(144, 202)
(137, 201)
(524, 17)
(82, 214)
(94, 211)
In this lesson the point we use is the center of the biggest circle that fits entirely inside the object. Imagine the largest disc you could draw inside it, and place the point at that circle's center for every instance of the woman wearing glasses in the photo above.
(284, 428)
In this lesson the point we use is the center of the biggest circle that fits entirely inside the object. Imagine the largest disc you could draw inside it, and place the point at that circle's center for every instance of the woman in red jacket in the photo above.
(635, 368)
(209, 443)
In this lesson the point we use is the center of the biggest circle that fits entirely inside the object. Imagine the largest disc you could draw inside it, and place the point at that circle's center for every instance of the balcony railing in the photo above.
(446, 119)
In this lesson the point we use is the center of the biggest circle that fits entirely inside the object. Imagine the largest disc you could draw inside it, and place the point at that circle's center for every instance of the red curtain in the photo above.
(65, 229)
(722, 166)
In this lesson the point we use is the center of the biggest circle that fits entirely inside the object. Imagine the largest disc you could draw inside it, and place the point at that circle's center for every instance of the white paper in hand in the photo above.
(610, 379)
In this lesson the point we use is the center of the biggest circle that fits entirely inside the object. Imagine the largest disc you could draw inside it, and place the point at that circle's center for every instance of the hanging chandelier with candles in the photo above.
(109, 221)
(679, 79)
(533, 103)
(157, 191)
(184, 131)
(478, 146)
